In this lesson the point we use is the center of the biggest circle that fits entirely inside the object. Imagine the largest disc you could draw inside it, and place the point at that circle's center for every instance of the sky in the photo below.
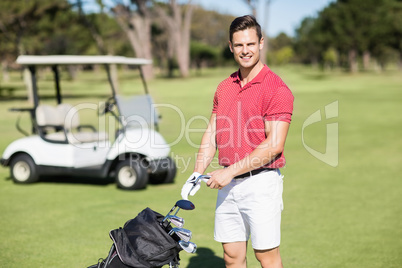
(283, 15)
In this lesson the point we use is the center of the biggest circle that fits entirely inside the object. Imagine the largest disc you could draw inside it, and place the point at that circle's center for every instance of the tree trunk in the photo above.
(183, 50)
(137, 26)
(352, 57)
(178, 27)
(366, 60)
(170, 57)
(4, 71)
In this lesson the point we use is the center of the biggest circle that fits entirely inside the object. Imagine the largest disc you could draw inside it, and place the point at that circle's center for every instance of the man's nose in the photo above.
(245, 50)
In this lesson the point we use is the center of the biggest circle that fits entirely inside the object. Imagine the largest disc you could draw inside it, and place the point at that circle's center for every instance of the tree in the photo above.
(361, 28)
(284, 55)
(388, 29)
(308, 41)
(330, 58)
(281, 49)
(177, 20)
(135, 20)
(92, 28)
(210, 27)
(203, 55)
(19, 25)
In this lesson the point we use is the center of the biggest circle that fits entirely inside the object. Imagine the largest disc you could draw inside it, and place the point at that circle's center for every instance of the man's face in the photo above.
(246, 47)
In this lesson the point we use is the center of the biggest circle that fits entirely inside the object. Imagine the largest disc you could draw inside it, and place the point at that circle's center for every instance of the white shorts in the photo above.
(251, 208)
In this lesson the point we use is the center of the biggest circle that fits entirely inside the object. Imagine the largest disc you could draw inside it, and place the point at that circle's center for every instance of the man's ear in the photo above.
(261, 43)
(230, 46)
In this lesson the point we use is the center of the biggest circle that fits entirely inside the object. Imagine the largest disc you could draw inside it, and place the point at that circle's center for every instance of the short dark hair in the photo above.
(243, 23)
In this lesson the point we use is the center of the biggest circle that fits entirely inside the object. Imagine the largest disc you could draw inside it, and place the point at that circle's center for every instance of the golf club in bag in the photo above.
(148, 241)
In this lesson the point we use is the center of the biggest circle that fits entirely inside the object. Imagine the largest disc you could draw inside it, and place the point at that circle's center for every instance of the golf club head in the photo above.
(185, 204)
(187, 246)
(176, 220)
(184, 234)
(182, 204)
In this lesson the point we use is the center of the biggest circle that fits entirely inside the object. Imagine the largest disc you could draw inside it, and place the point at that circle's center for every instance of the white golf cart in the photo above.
(59, 146)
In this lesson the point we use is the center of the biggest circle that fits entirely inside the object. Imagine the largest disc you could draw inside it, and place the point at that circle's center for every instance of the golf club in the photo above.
(173, 265)
(184, 234)
(176, 220)
(205, 178)
(184, 204)
(189, 247)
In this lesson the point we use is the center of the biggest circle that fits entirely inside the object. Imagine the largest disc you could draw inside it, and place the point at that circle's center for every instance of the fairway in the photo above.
(342, 203)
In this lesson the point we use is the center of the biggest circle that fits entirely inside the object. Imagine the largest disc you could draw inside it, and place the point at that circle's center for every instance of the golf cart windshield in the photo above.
(137, 111)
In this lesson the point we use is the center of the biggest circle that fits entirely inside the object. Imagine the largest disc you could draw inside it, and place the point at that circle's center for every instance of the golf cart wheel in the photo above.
(23, 169)
(131, 175)
(166, 176)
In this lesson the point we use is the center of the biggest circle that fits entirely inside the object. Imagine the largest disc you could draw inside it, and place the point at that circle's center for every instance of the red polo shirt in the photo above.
(241, 112)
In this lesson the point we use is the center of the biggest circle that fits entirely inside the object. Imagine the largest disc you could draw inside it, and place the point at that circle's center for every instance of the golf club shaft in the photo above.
(173, 208)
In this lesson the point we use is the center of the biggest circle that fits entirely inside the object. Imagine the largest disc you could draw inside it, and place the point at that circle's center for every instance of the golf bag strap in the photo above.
(112, 249)
(104, 263)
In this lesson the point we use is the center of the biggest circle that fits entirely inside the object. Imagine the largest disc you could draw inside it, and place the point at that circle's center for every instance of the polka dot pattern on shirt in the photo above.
(242, 111)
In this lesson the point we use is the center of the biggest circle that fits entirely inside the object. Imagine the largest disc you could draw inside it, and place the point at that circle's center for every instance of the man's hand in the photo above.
(219, 178)
(185, 190)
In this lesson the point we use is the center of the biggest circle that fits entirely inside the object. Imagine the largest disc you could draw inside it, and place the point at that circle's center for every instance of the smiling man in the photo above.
(250, 119)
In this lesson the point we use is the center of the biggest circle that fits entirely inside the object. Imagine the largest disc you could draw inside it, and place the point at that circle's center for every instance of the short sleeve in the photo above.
(280, 106)
(215, 103)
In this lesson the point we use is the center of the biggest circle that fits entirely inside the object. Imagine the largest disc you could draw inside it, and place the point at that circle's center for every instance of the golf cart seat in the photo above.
(61, 124)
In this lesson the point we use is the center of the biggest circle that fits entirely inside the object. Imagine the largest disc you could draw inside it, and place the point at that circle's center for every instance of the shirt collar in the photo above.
(258, 79)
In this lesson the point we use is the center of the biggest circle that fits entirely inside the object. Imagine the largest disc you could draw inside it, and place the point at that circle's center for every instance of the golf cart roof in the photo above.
(33, 61)
(74, 59)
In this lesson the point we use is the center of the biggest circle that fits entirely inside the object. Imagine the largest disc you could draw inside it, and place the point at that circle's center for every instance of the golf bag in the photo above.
(143, 242)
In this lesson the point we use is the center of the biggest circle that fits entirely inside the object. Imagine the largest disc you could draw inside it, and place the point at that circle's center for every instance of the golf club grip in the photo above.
(196, 181)
(204, 177)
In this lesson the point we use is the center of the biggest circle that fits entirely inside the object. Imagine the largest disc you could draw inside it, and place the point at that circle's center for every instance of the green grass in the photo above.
(343, 216)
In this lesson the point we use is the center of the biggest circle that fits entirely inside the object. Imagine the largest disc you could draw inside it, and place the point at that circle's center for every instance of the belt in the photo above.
(253, 173)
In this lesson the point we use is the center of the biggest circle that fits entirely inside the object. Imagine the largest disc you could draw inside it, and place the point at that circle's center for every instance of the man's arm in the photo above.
(207, 148)
(266, 151)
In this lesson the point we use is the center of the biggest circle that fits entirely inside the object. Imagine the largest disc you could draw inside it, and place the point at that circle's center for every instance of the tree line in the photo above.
(350, 34)
(351, 31)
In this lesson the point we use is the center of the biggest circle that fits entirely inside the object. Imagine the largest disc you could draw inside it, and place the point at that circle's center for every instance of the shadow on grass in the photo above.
(52, 97)
(72, 180)
(76, 180)
(7, 93)
(205, 258)
(69, 180)
(20, 94)
(318, 76)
